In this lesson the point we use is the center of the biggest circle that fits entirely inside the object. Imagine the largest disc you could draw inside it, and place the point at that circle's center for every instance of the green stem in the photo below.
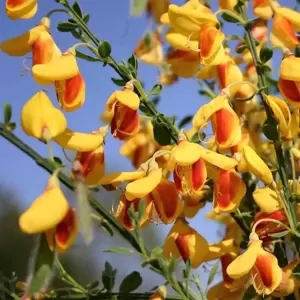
(282, 168)
(50, 167)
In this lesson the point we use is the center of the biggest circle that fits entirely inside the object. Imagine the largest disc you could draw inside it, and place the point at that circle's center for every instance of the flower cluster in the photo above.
(247, 169)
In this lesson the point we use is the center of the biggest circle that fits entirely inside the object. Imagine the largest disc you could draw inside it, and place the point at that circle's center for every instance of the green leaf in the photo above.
(266, 69)
(188, 268)
(279, 234)
(77, 9)
(161, 134)
(58, 161)
(118, 82)
(270, 131)
(229, 18)
(77, 34)
(11, 126)
(121, 250)
(106, 227)
(296, 272)
(84, 212)
(137, 7)
(7, 112)
(155, 100)
(131, 282)
(172, 265)
(186, 120)
(241, 48)
(144, 109)
(86, 18)
(104, 49)
(124, 70)
(250, 293)
(212, 274)
(157, 251)
(142, 208)
(86, 57)
(156, 89)
(42, 267)
(108, 277)
(265, 54)
(66, 26)
(132, 60)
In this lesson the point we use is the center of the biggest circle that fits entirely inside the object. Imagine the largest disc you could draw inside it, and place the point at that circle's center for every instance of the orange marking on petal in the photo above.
(226, 260)
(72, 88)
(284, 25)
(125, 122)
(13, 3)
(181, 242)
(177, 181)
(199, 174)
(89, 160)
(263, 266)
(222, 70)
(289, 89)
(65, 227)
(207, 37)
(42, 51)
(224, 125)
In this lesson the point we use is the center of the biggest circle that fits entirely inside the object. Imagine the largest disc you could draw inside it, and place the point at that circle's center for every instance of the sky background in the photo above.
(109, 21)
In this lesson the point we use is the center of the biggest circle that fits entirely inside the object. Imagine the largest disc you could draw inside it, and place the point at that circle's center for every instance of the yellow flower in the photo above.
(40, 119)
(183, 241)
(21, 9)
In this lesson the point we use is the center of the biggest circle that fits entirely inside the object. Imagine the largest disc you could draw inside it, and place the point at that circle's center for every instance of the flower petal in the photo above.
(144, 186)
(39, 114)
(180, 41)
(79, 141)
(266, 199)
(118, 177)
(21, 9)
(61, 69)
(289, 68)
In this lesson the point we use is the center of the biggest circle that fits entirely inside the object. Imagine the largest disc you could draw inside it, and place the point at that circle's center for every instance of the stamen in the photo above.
(188, 44)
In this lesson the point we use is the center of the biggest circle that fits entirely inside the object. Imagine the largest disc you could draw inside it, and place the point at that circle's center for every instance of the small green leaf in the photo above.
(118, 82)
(7, 112)
(241, 48)
(106, 227)
(265, 54)
(250, 293)
(137, 7)
(86, 18)
(172, 265)
(212, 274)
(131, 282)
(279, 234)
(188, 268)
(186, 120)
(157, 251)
(296, 272)
(149, 261)
(66, 26)
(42, 267)
(77, 34)
(266, 69)
(230, 18)
(84, 212)
(142, 208)
(11, 126)
(155, 100)
(161, 134)
(132, 60)
(58, 161)
(108, 277)
(124, 70)
(77, 9)
(104, 49)
(156, 89)
(86, 57)
(121, 250)
(270, 131)
(144, 109)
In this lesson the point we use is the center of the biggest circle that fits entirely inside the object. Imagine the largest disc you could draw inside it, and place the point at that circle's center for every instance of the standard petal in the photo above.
(266, 199)
(21, 9)
(38, 115)
(289, 68)
(78, 141)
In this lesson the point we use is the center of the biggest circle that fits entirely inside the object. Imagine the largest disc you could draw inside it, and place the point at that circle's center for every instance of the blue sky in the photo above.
(110, 21)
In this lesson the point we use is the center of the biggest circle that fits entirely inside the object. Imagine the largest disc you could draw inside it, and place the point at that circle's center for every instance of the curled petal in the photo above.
(183, 241)
(166, 201)
(47, 211)
(289, 68)
(122, 212)
(229, 190)
(221, 292)
(266, 273)
(61, 69)
(266, 199)
(21, 9)
(257, 166)
(118, 177)
(93, 166)
(193, 203)
(22, 44)
(38, 115)
(243, 264)
(210, 45)
(144, 186)
(71, 93)
(78, 141)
